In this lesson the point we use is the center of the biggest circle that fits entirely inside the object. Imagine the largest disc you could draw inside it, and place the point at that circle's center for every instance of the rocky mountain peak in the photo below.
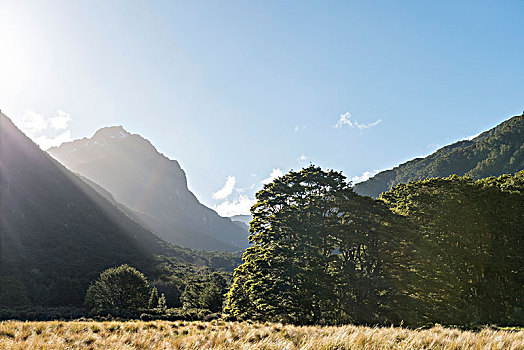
(111, 133)
(152, 186)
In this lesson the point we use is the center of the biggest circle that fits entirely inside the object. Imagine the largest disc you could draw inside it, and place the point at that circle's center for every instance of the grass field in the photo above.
(233, 335)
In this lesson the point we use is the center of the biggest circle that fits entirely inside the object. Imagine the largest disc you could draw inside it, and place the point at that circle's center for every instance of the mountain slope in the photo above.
(495, 152)
(56, 233)
(152, 187)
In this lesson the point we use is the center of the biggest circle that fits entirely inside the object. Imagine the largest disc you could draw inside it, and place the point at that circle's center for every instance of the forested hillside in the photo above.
(492, 153)
(57, 234)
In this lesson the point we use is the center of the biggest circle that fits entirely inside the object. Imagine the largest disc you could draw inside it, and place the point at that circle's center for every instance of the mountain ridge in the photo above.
(494, 152)
(56, 233)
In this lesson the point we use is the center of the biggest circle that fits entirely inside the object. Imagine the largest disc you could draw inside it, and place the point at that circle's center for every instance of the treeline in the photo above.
(123, 292)
(42, 287)
(443, 250)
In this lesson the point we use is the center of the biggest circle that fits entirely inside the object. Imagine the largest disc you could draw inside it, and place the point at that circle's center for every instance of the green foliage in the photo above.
(162, 303)
(470, 247)
(321, 253)
(12, 292)
(438, 250)
(119, 289)
(153, 298)
(205, 291)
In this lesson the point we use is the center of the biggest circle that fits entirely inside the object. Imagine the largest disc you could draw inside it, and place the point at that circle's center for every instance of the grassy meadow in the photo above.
(244, 335)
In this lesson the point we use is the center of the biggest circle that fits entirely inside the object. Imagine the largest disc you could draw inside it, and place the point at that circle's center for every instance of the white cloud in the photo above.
(31, 122)
(469, 138)
(365, 176)
(298, 128)
(345, 119)
(43, 130)
(370, 125)
(302, 158)
(46, 142)
(274, 174)
(60, 122)
(239, 206)
(225, 191)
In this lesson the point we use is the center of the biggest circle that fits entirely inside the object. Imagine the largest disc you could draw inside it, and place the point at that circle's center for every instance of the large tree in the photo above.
(321, 253)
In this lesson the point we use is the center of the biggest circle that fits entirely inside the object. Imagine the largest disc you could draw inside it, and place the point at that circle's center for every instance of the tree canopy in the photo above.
(470, 246)
(119, 289)
(320, 253)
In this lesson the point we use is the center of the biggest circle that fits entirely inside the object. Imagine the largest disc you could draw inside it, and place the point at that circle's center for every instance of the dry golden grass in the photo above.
(233, 335)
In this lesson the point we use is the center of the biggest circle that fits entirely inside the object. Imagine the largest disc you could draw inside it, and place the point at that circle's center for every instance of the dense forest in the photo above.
(446, 250)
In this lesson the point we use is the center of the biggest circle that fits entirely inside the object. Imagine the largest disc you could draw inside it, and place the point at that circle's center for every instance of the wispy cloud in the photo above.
(239, 206)
(225, 191)
(370, 125)
(274, 174)
(298, 128)
(364, 176)
(345, 120)
(43, 130)
(302, 158)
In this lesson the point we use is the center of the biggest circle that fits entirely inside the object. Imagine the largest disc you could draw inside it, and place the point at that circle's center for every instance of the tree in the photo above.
(162, 303)
(118, 289)
(153, 299)
(470, 244)
(205, 291)
(320, 252)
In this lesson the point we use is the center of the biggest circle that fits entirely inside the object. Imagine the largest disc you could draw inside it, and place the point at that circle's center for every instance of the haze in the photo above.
(241, 92)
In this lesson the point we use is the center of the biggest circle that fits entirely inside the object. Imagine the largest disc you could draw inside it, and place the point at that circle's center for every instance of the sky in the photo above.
(240, 92)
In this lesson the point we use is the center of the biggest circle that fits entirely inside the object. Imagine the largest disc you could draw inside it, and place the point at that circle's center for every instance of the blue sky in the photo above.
(239, 90)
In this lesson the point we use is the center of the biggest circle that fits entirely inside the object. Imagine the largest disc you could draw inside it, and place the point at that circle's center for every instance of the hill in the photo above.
(152, 187)
(57, 234)
(495, 152)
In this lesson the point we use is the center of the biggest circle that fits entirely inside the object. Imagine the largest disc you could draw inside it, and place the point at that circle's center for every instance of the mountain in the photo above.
(242, 221)
(495, 152)
(246, 219)
(56, 233)
(151, 186)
